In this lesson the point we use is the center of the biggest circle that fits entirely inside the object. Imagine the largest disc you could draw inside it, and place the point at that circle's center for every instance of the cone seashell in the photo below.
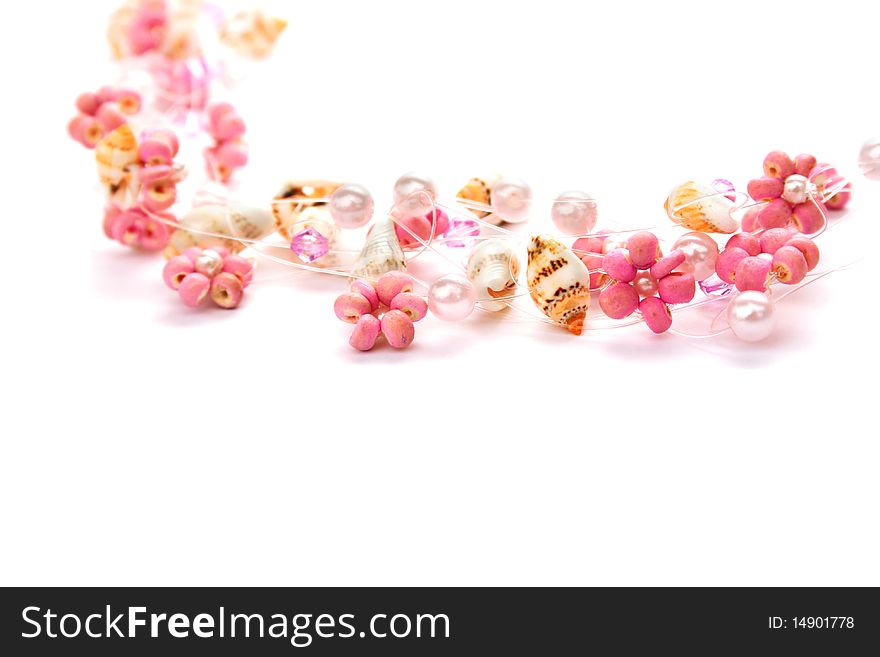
(493, 268)
(233, 220)
(118, 161)
(479, 190)
(381, 252)
(559, 283)
(701, 208)
(309, 193)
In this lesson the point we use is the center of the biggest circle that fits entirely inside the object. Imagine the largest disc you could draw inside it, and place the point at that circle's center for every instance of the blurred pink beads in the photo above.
(200, 274)
(101, 113)
(229, 152)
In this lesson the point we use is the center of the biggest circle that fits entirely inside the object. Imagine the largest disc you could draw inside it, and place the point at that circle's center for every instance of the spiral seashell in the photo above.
(118, 161)
(297, 196)
(236, 221)
(559, 283)
(381, 252)
(479, 190)
(493, 268)
(252, 33)
(701, 208)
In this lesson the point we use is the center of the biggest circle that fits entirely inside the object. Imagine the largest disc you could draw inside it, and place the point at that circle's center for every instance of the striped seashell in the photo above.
(479, 190)
(118, 161)
(559, 283)
(701, 208)
(493, 268)
(219, 220)
(381, 252)
(252, 33)
(295, 197)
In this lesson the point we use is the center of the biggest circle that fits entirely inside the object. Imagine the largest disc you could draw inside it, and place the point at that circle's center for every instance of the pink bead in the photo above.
(193, 253)
(588, 245)
(365, 333)
(350, 306)
(368, 291)
(154, 234)
(412, 305)
(238, 266)
(129, 101)
(587, 248)
(618, 266)
(111, 214)
(86, 130)
(775, 214)
(789, 265)
(765, 189)
(398, 329)
(778, 165)
(656, 314)
(393, 283)
(665, 265)
(167, 137)
(233, 154)
(158, 195)
(750, 219)
(154, 152)
(217, 170)
(154, 173)
(194, 289)
(412, 229)
(808, 249)
(774, 238)
(804, 164)
(747, 242)
(727, 262)
(229, 126)
(221, 251)
(839, 200)
(217, 111)
(808, 218)
(127, 227)
(643, 249)
(441, 221)
(618, 300)
(594, 264)
(106, 94)
(147, 31)
(176, 269)
(751, 274)
(88, 103)
(677, 288)
(226, 290)
(109, 116)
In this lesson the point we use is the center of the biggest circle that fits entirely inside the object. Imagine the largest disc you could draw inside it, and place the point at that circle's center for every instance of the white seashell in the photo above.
(118, 161)
(493, 268)
(233, 220)
(559, 283)
(702, 208)
(381, 252)
(295, 197)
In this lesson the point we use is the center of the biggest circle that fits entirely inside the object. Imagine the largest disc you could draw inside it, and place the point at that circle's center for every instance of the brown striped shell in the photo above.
(117, 158)
(559, 283)
(701, 208)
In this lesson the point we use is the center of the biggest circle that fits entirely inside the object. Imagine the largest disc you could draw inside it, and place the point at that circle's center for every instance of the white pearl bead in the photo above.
(751, 316)
(700, 253)
(414, 195)
(574, 213)
(869, 159)
(511, 199)
(796, 189)
(209, 263)
(452, 297)
(645, 284)
(351, 205)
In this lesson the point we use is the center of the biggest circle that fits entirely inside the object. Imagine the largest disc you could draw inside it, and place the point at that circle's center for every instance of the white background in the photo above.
(147, 444)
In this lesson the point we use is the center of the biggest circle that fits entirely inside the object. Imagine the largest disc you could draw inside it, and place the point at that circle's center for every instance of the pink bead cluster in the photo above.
(199, 273)
(826, 178)
(147, 27)
(387, 308)
(590, 250)
(410, 228)
(100, 113)
(229, 151)
(645, 280)
(752, 262)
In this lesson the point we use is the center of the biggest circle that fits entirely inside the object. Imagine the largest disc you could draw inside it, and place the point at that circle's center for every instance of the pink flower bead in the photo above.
(808, 249)
(808, 218)
(194, 289)
(727, 262)
(747, 242)
(238, 266)
(86, 130)
(217, 111)
(229, 126)
(667, 264)
(158, 195)
(778, 165)
(656, 314)
(154, 152)
(775, 214)
(618, 266)
(774, 238)
(127, 227)
(392, 283)
(644, 248)
(750, 219)
(751, 274)
(366, 332)
(804, 164)
(677, 288)
(368, 291)
(765, 189)
(398, 329)
(88, 103)
(109, 116)
(789, 265)
(154, 234)
(351, 306)
(619, 300)
(175, 270)
(226, 290)
(412, 305)
(129, 101)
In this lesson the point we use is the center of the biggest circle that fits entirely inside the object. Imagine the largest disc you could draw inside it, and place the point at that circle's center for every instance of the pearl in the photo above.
(645, 284)
(511, 199)
(209, 263)
(452, 297)
(574, 213)
(700, 253)
(351, 205)
(613, 243)
(751, 316)
(869, 159)
(414, 195)
(796, 189)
